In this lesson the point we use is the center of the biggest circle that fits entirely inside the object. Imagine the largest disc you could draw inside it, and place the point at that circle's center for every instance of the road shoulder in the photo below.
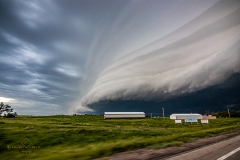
(145, 154)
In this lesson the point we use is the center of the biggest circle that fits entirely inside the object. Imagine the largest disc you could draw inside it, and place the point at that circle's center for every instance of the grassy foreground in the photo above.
(88, 137)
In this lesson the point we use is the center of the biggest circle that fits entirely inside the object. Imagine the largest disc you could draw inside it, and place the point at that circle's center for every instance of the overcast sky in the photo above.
(59, 56)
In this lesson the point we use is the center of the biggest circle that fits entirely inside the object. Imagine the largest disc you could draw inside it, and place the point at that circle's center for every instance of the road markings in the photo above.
(229, 154)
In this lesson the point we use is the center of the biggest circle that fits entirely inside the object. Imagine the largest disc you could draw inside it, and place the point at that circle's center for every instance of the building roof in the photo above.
(124, 113)
(187, 114)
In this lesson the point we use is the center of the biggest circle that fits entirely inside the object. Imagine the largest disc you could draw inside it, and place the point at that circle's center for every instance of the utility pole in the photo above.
(228, 113)
(163, 113)
(229, 106)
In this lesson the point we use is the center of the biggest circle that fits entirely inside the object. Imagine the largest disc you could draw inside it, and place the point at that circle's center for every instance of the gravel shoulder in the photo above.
(150, 154)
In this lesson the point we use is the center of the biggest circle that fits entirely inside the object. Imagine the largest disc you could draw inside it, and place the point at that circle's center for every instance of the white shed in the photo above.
(124, 115)
(185, 116)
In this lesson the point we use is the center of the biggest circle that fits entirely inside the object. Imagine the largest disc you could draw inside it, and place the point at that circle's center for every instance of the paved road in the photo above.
(235, 156)
(214, 151)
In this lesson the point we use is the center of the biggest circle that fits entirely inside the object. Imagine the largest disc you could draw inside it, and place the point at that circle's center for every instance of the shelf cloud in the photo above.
(201, 53)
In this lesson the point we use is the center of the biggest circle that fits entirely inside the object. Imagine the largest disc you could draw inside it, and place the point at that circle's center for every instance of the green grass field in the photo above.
(88, 137)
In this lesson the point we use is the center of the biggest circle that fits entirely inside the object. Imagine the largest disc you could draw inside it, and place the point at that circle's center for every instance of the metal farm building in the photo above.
(124, 115)
(185, 116)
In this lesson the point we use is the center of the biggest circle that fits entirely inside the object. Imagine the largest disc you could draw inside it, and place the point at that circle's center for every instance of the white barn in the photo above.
(124, 115)
(186, 115)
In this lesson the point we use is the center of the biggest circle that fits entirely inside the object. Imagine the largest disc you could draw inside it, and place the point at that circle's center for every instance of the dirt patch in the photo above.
(149, 154)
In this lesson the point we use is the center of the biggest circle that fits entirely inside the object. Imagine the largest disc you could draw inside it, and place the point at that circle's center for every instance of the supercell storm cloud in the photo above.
(201, 53)
(61, 57)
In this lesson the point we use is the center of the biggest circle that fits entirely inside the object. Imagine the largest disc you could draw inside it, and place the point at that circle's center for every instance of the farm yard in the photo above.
(90, 136)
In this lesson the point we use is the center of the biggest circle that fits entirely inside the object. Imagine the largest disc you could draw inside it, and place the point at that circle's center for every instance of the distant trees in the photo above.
(6, 110)
(207, 112)
(233, 113)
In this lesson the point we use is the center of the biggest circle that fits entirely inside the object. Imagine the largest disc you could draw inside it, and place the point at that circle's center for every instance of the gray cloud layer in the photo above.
(41, 50)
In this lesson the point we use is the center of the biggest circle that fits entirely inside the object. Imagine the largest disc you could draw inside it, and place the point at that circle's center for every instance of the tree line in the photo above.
(224, 114)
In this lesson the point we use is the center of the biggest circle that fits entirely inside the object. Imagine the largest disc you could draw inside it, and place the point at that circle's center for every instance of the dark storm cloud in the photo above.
(215, 98)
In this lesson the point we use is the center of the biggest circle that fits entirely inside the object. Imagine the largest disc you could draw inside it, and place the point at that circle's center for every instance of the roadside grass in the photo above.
(88, 137)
